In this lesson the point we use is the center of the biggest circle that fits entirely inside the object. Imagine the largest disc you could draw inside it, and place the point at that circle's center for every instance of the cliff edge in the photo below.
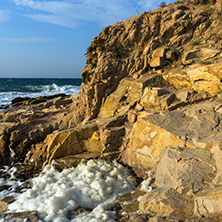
(150, 98)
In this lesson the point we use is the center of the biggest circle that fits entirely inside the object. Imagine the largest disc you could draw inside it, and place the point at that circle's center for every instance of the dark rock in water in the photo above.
(5, 187)
(19, 99)
(30, 216)
(4, 106)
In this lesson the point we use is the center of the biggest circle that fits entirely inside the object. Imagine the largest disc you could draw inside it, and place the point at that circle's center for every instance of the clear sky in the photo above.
(48, 38)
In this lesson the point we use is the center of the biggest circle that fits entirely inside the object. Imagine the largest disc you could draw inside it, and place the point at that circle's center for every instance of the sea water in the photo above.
(33, 87)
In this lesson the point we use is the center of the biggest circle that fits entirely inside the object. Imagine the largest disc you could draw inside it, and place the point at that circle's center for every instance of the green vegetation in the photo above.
(178, 1)
(90, 49)
(210, 11)
(162, 4)
(157, 81)
(204, 62)
(118, 53)
(204, 2)
(88, 75)
(94, 63)
(195, 42)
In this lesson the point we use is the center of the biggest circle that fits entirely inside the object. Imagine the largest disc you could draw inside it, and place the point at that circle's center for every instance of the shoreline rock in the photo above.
(151, 99)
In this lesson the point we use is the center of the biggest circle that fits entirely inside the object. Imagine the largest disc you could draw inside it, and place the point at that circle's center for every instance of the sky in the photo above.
(48, 38)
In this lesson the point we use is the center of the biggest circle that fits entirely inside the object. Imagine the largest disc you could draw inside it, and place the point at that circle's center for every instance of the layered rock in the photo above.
(150, 98)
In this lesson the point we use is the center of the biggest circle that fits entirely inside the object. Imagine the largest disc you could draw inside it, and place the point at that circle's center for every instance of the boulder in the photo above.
(157, 62)
(208, 202)
(146, 143)
(178, 80)
(166, 200)
(157, 98)
(208, 53)
(191, 168)
(127, 94)
(23, 216)
(206, 78)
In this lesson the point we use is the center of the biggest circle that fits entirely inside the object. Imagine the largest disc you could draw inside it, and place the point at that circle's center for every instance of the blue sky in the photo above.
(48, 38)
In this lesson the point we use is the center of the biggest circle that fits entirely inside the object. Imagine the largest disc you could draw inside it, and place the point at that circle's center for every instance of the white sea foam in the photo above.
(36, 91)
(95, 184)
(9, 182)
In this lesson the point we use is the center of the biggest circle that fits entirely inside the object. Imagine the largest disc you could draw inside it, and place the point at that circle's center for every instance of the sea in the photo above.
(34, 87)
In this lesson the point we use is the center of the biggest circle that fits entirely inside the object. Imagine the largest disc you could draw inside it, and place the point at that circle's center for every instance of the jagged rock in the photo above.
(217, 154)
(206, 78)
(208, 53)
(3, 207)
(183, 95)
(146, 144)
(187, 167)
(127, 93)
(74, 160)
(179, 81)
(157, 62)
(189, 56)
(139, 218)
(166, 200)
(209, 202)
(132, 116)
(130, 202)
(156, 99)
(101, 136)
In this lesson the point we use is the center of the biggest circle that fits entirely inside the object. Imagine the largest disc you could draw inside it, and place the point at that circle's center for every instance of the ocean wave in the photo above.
(36, 91)
(49, 88)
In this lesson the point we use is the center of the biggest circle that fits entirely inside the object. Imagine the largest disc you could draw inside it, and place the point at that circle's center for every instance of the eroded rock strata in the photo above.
(150, 98)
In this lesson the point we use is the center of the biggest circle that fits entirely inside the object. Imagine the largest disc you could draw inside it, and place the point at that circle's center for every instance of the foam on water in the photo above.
(9, 182)
(35, 91)
(95, 184)
(28, 87)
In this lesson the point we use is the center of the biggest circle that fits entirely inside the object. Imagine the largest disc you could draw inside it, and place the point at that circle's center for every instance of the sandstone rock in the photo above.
(166, 200)
(188, 167)
(189, 56)
(132, 116)
(179, 81)
(130, 202)
(160, 52)
(151, 98)
(209, 202)
(146, 143)
(139, 218)
(208, 53)
(201, 130)
(74, 160)
(217, 153)
(177, 14)
(206, 78)
(23, 216)
(157, 62)
(127, 93)
(3, 207)
(183, 95)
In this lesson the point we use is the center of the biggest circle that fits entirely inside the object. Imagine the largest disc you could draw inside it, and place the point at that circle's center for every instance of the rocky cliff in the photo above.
(150, 98)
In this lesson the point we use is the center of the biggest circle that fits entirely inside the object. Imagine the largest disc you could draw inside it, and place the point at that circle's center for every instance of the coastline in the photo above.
(150, 99)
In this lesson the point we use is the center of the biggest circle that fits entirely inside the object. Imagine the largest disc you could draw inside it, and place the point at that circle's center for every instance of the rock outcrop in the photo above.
(150, 98)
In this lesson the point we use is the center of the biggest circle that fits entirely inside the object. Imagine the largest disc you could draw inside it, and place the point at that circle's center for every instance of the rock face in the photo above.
(150, 98)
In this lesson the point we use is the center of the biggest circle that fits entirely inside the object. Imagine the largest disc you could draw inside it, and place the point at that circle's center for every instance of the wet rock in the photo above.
(11, 217)
(73, 160)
